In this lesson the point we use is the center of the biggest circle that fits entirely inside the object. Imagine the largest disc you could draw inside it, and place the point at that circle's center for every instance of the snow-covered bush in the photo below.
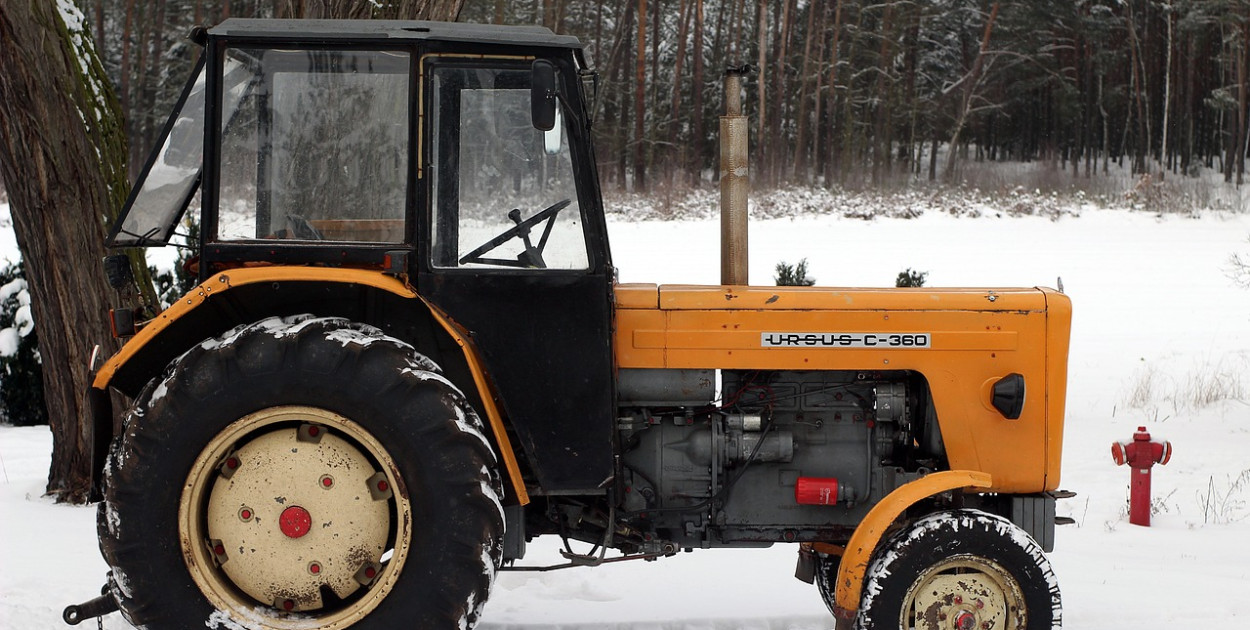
(793, 275)
(21, 370)
(911, 278)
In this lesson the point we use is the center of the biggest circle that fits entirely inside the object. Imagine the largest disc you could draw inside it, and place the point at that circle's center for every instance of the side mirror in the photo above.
(543, 102)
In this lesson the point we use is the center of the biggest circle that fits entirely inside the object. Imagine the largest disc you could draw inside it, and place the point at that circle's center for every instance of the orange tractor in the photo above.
(408, 356)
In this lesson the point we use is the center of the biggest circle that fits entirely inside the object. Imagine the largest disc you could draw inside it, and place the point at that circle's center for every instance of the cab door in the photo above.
(514, 251)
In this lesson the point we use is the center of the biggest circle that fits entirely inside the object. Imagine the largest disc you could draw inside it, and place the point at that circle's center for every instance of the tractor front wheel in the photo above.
(956, 570)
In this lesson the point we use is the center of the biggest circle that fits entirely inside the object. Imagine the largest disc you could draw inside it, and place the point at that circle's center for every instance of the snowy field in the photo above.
(1161, 337)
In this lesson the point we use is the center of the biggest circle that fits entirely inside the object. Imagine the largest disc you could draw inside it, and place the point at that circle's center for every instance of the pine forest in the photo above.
(849, 93)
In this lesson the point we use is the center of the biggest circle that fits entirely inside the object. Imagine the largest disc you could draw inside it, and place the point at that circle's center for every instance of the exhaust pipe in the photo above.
(734, 183)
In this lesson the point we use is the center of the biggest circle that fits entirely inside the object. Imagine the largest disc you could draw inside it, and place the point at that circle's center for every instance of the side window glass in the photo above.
(317, 148)
(167, 187)
(503, 192)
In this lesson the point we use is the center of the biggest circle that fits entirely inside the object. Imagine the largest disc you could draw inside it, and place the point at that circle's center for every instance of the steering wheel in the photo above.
(532, 257)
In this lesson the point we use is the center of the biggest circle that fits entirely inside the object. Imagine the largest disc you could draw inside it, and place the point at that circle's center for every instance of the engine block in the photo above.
(780, 456)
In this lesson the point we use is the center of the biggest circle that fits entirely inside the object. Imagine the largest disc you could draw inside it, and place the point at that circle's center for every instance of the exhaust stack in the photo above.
(734, 184)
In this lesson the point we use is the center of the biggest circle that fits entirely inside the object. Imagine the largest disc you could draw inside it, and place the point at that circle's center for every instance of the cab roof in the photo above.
(395, 30)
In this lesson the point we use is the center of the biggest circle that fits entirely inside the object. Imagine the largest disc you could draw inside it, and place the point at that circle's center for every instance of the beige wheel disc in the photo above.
(964, 593)
(293, 513)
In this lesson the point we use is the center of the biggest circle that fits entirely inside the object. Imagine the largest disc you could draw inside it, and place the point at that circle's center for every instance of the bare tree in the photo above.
(971, 82)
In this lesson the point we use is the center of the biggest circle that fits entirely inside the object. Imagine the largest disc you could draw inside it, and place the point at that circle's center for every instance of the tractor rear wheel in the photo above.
(302, 473)
(963, 570)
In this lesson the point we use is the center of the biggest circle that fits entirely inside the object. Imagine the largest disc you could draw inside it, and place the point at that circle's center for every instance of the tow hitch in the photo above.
(92, 608)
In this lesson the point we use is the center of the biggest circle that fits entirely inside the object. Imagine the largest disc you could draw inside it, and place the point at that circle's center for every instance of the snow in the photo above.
(1161, 338)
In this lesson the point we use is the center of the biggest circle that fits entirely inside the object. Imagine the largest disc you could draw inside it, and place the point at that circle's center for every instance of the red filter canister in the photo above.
(816, 491)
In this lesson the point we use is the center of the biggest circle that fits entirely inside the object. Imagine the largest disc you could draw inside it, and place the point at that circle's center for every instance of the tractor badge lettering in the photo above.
(843, 340)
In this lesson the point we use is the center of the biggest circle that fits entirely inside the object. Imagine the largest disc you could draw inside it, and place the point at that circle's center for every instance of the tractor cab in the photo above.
(453, 156)
(321, 146)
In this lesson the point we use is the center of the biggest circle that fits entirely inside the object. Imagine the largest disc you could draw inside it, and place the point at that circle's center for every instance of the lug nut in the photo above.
(959, 599)
(310, 433)
(245, 514)
(367, 572)
(232, 462)
(314, 568)
(327, 482)
(288, 605)
(379, 486)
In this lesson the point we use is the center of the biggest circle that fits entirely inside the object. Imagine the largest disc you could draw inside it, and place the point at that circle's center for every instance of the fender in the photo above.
(225, 281)
(854, 564)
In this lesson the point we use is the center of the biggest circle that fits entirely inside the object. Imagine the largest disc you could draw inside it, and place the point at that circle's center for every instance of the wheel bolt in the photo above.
(313, 431)
(959, 600)
(383, 486)
(980, 604)
(371, 573)
(232, 463)
(219, 549)
(327, 482)
(245, 514)
(314, 568)
(288, 605)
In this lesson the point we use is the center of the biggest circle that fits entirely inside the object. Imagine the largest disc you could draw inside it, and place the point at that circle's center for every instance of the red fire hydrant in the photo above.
(1141, 455)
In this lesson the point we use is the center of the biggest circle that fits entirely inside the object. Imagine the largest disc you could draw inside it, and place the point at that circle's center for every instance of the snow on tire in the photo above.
(960, 569)
(302, 472)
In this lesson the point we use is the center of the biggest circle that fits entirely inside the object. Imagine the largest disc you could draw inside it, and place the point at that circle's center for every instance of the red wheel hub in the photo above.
(295, 521)
(965, 621)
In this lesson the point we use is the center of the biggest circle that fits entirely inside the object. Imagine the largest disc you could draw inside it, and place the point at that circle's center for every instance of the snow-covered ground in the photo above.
(1161, 337)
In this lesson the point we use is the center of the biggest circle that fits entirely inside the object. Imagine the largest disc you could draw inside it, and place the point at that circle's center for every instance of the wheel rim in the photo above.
(291, 513)
(965, 593)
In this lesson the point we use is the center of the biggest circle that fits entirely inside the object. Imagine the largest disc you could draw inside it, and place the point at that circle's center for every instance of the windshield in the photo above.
(318, 147)
(503, 191)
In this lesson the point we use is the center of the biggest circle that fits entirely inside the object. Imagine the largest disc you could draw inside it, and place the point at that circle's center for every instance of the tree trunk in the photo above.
(697, 84)
(761, 153)
(1243, 101)
(806, 78)
(881, 111)
(779, 146)
(640, 100)
(1167, 93)
(1139, 99)
(64, 180)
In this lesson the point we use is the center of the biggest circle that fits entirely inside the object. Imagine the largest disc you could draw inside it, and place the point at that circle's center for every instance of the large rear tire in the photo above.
(302, 473)
(961, 570)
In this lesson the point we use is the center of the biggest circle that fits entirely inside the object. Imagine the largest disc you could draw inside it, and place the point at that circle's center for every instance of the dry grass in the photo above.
(1204, 385)
(1223, 503)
